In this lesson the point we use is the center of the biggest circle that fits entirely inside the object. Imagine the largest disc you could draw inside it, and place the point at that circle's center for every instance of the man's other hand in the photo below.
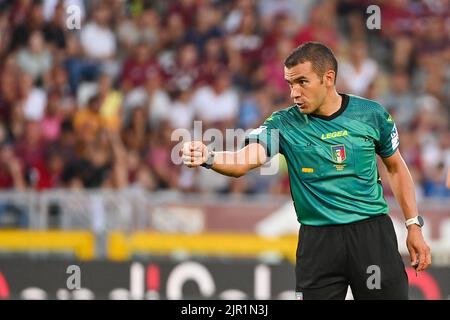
(418, 249)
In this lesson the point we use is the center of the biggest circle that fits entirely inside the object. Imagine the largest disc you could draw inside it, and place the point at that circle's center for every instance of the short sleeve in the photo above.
(389, 140)
(267, 135)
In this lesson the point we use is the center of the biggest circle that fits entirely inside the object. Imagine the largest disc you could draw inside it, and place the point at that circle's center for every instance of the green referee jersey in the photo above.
(332, 159)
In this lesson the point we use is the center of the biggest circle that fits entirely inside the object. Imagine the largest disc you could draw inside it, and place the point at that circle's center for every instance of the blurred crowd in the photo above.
(95, 105)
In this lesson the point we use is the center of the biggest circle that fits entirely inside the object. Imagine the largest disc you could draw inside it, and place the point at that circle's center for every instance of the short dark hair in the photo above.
(321, 57)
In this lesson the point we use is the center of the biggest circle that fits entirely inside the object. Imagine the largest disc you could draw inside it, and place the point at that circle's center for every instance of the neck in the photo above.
(331, 104)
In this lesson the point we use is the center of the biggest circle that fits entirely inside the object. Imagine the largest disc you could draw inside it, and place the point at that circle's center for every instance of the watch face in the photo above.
(420, 219)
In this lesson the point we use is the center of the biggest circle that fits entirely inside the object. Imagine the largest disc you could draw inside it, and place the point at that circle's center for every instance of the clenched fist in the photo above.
(194, 153)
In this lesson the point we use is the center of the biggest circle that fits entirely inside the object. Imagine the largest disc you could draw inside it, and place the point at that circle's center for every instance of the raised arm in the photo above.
(233, 164)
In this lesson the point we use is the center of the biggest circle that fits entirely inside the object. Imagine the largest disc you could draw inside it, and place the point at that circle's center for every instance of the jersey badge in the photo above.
(338, 153)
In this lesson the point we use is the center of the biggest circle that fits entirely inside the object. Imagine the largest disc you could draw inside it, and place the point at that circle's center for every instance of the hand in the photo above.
(194, 153)
(418, 249)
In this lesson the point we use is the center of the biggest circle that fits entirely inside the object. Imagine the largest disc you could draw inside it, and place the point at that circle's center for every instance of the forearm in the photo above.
(402, 186)
(231, 164)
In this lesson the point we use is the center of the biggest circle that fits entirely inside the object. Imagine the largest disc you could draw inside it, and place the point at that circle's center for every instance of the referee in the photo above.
(330, 141)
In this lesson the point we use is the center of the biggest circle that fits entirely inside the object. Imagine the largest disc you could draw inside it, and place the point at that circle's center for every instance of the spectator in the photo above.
(434, 184)
(400, 100)
(135, 133)
(213, 60)
(94, 168)
(97, 38)
(172, 34)
(99, 41)
(54, 29)
(158, 158)
(5, 33)
(153, 97)
(78, 68)
(32, 99)
(110, 104)
(137, 68)
(9, 93)
(205, 27)
(27, 17)
(181, 114)
(31, 149)
(217, 105)
(52, 120)
(51, 7)
(36, 59)
(58, 82)
(256, 105)
(273, 74)
(11, 171)
(184, 70)
(184, 8)
(148, 28)
(87, 121)
(247, 41)
(321, 26)
(359, 72)
(299, 10)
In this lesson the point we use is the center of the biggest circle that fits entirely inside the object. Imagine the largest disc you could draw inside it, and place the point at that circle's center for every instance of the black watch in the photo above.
(209, 161)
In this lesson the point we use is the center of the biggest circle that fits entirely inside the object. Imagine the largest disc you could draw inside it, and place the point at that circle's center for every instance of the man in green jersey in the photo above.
(330, 141)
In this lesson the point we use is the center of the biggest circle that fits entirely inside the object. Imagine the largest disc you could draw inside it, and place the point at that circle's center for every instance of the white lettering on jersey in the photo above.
(394, 137)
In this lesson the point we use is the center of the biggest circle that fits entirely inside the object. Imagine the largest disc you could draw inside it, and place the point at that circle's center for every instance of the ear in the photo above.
(329, 77)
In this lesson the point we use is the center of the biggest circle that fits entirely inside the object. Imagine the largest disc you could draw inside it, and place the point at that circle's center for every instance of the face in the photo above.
(222, 83)
(36, 42)
(102, 15)
(142, 53)
(104, 84)
(307, 89)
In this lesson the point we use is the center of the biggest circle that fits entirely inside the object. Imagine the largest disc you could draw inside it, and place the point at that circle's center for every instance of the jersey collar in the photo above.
(344, 104)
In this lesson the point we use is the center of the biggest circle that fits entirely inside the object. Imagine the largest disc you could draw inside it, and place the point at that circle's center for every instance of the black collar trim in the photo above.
(344, 105)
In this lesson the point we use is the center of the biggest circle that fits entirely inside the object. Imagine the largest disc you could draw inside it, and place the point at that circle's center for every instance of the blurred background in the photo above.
(91, 92)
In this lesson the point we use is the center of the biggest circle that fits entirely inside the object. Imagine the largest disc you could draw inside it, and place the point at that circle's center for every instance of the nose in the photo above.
(296, 91)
